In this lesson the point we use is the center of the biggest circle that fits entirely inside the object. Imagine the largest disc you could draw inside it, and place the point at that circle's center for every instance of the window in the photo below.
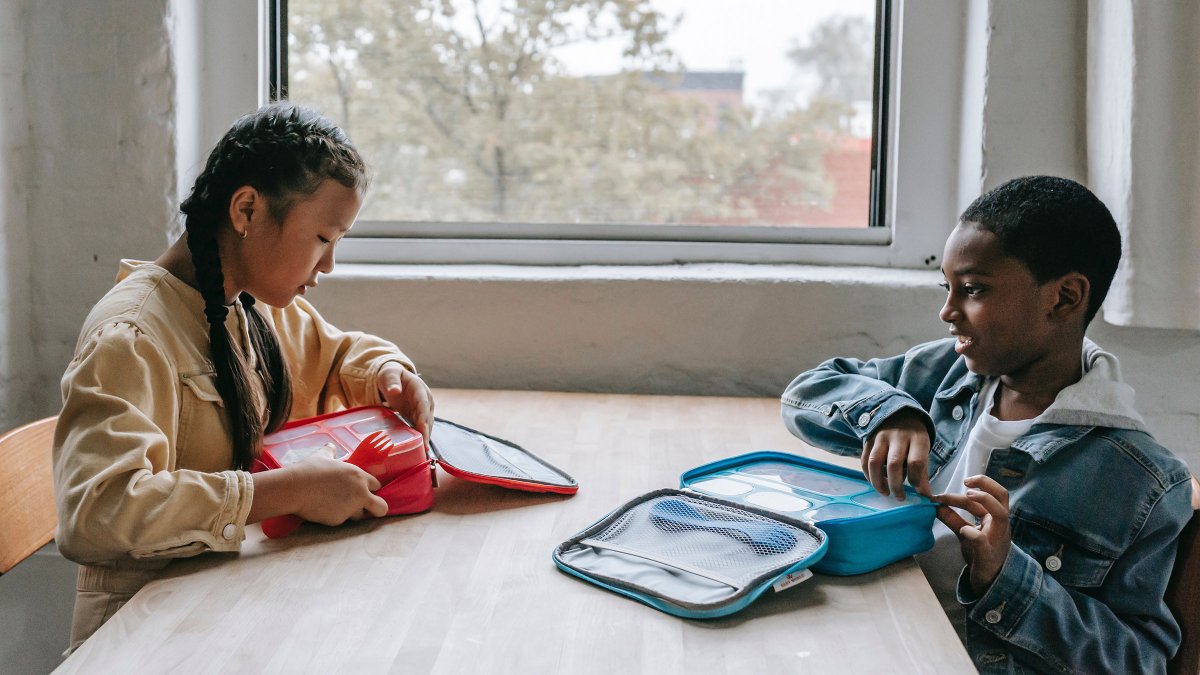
(607, 131)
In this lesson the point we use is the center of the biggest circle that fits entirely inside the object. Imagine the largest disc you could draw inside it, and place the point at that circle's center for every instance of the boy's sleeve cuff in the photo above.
(865, 416)
(1003, 605)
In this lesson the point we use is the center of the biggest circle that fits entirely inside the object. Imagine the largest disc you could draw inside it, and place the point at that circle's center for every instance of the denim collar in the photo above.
(1043, 441)
(967, 381)
(1057, 427)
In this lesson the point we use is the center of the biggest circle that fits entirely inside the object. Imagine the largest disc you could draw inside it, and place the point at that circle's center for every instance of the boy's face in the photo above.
(994, 305)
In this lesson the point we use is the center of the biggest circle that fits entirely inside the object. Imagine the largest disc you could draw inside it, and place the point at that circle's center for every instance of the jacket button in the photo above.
(1053, 563)
(229, 531)
(863, 419)
(993, 616)
(957, 413)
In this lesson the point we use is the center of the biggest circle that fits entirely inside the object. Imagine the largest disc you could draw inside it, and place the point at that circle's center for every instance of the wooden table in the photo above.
(470, 587)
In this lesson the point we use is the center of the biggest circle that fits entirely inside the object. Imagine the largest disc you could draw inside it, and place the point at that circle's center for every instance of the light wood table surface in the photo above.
(470, 587)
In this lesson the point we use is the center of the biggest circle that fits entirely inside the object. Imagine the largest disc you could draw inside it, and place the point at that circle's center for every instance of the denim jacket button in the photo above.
(1053, 563)
(864, 419)
(957, 413)
(993, 616)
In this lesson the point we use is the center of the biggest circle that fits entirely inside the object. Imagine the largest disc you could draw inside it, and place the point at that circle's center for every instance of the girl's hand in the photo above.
(331, 491)
(407, 394)
(985, 545)
(898, 448)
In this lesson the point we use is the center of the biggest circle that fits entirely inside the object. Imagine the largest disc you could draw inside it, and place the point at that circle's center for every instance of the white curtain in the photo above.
(1143, 149)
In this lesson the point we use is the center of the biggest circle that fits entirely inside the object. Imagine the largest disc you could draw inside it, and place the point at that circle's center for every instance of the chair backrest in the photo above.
(27, 512)
(1183, 593)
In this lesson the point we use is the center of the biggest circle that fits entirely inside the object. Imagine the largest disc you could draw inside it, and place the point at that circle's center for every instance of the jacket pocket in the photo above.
(1072, 560)
(203, 385)
(203, 440)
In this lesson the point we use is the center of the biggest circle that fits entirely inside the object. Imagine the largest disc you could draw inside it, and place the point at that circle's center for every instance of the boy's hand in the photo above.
(985, 545)
(407, 394)
(899, 447)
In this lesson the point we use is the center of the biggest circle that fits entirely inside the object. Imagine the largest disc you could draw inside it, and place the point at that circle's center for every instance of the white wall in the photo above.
(720, 329)
(18, 369)
(86, 152)
(216, 77)
(98, 89)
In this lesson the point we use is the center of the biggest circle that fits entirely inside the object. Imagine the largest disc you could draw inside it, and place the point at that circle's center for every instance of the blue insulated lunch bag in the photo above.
(741, 525)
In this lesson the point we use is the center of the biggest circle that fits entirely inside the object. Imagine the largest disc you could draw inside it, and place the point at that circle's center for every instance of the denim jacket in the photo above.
(1096, 506)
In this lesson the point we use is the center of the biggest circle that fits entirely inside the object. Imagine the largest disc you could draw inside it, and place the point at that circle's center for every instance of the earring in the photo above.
(243, 234)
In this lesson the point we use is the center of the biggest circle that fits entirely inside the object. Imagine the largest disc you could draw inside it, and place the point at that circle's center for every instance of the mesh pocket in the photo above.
(694, 553)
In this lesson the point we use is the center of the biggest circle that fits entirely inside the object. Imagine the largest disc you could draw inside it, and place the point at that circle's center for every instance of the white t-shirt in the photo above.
(943, 563)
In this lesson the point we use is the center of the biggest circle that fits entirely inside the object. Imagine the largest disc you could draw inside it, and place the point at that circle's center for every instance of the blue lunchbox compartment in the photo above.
(865, 530)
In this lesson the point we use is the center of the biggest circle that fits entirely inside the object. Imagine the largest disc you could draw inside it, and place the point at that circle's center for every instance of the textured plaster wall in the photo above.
(99, 144)
(86, 159)
(1035, 91)
(698, 329)
(17, 366)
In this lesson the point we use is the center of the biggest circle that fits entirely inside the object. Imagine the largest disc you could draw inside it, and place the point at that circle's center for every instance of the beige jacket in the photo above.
(142, 451)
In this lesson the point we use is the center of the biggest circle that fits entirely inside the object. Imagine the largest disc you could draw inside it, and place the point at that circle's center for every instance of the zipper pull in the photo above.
(433, 472)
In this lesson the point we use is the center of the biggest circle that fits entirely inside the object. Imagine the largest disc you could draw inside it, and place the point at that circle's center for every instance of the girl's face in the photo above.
(276, 261)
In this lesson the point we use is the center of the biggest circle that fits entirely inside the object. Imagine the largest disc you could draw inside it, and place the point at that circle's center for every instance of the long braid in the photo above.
(284, 152)
(232, 382)
(271, 366)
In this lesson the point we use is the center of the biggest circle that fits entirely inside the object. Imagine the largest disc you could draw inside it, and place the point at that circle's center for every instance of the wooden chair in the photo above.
(1183, 593)
(27, 511)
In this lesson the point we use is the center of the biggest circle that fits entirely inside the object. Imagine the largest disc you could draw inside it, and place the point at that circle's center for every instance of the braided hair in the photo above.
(284, 152)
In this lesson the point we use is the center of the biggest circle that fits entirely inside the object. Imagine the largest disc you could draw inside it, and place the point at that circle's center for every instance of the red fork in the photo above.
(368, 456)
(371, 453)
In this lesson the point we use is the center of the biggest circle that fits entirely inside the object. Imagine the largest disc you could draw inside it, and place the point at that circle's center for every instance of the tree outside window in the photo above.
(471, 112)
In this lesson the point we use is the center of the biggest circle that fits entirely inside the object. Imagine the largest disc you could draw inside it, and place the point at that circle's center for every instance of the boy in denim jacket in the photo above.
(1059, 512)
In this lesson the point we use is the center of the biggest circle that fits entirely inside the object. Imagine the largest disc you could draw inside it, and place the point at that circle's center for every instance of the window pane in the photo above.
(576, 112)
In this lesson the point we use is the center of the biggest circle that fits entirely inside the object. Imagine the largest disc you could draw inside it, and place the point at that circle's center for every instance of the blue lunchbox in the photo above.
(866, 530)
(739, 526)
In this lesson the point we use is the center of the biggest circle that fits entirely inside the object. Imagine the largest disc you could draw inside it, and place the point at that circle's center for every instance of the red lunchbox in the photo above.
(407, 475)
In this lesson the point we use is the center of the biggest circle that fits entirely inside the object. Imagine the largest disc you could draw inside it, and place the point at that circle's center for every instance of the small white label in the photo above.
(791, 580)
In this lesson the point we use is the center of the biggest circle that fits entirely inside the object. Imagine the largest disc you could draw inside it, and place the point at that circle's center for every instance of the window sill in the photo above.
(739, 273)
(857, 247)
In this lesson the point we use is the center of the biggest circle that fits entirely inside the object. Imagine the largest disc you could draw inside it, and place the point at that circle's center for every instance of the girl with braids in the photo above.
(188, 361)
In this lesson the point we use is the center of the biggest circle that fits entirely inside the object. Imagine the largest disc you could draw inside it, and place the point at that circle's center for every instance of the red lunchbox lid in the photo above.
(475, 456)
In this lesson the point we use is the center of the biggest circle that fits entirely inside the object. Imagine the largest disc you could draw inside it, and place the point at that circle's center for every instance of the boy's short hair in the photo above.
(1054, 226)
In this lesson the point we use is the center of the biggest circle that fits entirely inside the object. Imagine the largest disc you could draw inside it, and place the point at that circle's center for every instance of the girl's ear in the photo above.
(242, 207)
(1071, 295)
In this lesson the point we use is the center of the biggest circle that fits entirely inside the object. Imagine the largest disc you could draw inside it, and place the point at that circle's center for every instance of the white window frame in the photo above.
(927, 42)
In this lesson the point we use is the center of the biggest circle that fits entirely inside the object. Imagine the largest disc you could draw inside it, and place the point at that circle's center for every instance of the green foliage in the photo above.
(466, 115)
